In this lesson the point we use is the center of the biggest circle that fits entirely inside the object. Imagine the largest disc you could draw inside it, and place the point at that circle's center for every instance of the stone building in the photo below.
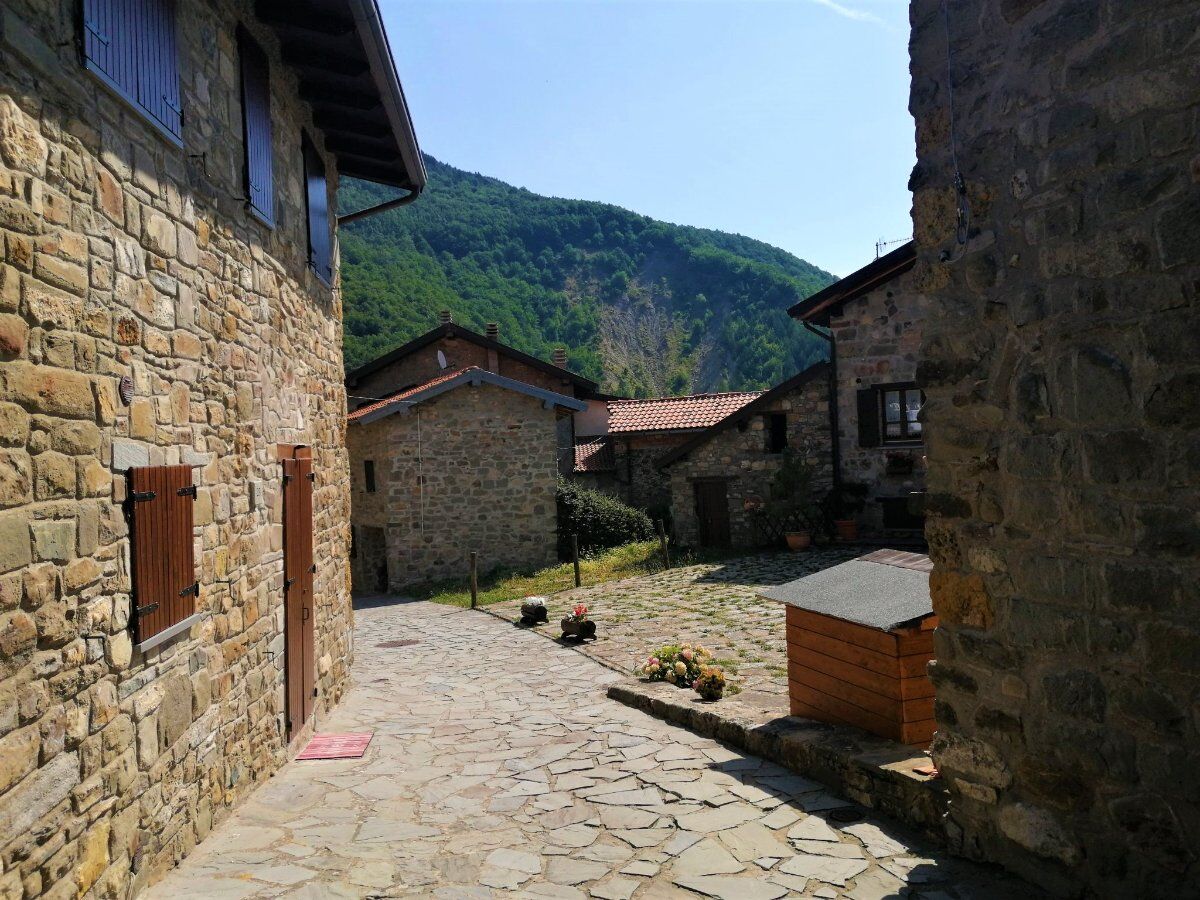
(463, 462)
(874, 319)
(1059, 361)
(170, 347)
(642, 431)
(450, 346)
(720, 477)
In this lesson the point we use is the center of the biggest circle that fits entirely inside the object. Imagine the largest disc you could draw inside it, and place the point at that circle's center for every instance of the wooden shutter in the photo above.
(161, 550)
(130, 45)
(868, 418)
(298, 590)
(320, 242)
(256, 122)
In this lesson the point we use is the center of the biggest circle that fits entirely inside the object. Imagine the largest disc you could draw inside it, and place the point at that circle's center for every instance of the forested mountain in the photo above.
(644, 307)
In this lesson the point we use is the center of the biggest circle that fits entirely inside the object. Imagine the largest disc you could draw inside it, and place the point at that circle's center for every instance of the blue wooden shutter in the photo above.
(320, 242)
(130, 45)
(256, 119)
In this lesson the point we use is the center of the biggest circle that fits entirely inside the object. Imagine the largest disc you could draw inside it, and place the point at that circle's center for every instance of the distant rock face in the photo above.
(645, 308)
(1059, 365)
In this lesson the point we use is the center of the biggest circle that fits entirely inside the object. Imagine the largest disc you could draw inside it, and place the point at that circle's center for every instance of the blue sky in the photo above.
(784, 120)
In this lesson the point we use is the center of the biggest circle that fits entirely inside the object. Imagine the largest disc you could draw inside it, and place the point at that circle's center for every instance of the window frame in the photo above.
(906, 439)
(770, 420)
(137, 56)
(313, 161)
(249, 47)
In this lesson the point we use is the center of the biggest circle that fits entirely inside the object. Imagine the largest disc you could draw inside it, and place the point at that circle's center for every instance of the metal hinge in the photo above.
(137, 496)
(313, 568)
(288, 582)
(287, 478)
(146, 610)
(311, 476)
(190, 490)
(193, 588)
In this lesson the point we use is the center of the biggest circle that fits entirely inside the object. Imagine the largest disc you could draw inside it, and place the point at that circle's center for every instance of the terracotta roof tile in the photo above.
(594, 455)
(407, 392)
(674, 413)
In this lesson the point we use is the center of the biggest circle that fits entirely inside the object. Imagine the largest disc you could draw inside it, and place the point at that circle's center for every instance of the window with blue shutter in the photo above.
(320, 240)
(130, 46)
(256, 120)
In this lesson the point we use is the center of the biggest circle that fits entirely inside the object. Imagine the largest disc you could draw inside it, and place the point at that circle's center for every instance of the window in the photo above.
(776, 431)
(162, 556)
(256, 126)
(369, 475)
(320, 242)
(888, 414)
(130, 46)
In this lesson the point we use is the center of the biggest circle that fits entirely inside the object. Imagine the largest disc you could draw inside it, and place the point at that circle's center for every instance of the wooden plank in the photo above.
(914, 665)
(887, 685)
(804, 640)
(824, 708)
(916, 641)
(839, 690)
(849, 632)
(917, 688)
(918, 734)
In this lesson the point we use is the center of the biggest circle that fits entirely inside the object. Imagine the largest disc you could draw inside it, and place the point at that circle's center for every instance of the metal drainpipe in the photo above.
(378, 208)
(835, 438)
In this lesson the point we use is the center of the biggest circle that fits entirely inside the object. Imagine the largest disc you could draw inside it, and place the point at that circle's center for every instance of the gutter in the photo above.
(380, 207)
(835, 438)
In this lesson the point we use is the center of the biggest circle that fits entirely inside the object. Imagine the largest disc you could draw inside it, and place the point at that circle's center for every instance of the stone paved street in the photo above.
(714, 604)
(499, 768)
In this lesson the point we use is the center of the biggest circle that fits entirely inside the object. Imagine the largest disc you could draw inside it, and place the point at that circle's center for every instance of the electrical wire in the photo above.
(963, 205)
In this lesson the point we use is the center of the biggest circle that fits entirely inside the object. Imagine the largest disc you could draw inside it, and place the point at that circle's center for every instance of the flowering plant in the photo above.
(680, 665)
(578, 614)
(710, 683)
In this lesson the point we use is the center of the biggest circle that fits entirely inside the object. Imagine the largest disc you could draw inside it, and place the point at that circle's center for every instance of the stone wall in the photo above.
(1063, 381)
(123, 255)
(739, 454)
(471, 469)
(878, 338)
(641, 482)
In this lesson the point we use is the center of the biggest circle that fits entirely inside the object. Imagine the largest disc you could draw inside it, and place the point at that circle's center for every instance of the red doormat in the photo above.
(336, 746)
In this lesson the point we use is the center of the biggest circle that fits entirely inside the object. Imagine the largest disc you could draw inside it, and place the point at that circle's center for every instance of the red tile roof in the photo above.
(674, 413)
(408, 392)
(594, 455)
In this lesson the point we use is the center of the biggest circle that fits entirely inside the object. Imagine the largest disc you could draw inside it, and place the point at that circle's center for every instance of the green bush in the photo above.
(600, 521)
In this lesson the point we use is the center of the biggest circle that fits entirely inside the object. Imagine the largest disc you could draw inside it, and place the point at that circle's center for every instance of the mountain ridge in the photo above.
(644, 307)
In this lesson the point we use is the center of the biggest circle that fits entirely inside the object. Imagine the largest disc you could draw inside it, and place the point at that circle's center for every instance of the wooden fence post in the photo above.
(474, 579)
(662, 542)
(575, 557)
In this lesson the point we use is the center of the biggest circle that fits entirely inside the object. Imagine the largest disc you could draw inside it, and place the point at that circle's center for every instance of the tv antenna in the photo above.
(881, 245)
(441, 357)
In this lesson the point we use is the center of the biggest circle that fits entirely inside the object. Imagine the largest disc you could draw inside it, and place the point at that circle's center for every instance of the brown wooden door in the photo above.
(712, 510)
(298, 591)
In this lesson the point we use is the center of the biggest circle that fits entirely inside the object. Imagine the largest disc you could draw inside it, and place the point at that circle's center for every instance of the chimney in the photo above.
(560, 357)
(444, 317)
(492, 330)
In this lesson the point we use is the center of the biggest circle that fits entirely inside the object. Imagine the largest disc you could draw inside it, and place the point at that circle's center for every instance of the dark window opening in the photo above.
(777, 436)
(256, 125)
(369, 475)
(320, 238)
(130, 46)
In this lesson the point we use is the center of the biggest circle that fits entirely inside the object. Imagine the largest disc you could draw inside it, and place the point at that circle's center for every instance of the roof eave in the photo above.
(818, 308)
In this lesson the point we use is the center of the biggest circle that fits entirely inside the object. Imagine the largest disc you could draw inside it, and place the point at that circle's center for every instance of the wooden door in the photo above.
(298, 571)
(712, 511)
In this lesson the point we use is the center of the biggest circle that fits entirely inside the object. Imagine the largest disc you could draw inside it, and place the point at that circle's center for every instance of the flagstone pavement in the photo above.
(499, 768)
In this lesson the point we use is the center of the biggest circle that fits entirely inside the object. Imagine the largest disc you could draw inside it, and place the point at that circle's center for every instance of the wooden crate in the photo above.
(850, 674)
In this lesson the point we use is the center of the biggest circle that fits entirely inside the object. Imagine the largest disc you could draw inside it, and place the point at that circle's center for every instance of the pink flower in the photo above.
(654, 661)
(687, 654)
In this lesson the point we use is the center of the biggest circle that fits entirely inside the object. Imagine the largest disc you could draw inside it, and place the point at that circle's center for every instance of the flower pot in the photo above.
(534, 612)
(587, 629)
(847, 529)
(799, 540)
(570, 628)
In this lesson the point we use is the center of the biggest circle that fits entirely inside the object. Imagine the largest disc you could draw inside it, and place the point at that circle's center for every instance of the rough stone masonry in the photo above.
(1063, 381)
(123, 255)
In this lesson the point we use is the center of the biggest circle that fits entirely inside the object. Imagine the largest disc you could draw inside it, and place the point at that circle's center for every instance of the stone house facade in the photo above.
(421, 359)
(464, 462)
(720, 477)
(874, 319)
(150, 318)
(1059, 360)
(642, 431)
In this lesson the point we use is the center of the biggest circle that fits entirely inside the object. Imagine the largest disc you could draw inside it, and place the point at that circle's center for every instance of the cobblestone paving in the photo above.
(714, 604)
(499, 768)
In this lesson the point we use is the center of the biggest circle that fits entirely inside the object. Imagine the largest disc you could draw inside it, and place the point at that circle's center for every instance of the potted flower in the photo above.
(789, 508)
(679, 664)
(577, 624)
(842, 504)
(710, 683)
(798, 540)
(533, 611)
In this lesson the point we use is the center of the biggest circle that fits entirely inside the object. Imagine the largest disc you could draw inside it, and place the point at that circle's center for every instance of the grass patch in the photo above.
(641, 558)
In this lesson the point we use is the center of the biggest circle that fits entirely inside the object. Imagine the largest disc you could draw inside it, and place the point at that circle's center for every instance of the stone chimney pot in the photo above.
(492, 330)
(560, 357)
(444, 317)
